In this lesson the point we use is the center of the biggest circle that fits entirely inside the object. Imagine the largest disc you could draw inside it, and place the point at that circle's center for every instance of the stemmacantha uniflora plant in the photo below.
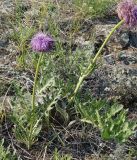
(112, 120)
(40, 43)
(113, 123)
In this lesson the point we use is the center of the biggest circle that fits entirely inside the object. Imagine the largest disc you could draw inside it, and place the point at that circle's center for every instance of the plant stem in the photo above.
(90, 68)
(35, 81)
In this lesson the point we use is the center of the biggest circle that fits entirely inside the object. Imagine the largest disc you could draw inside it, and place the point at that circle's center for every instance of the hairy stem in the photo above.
(35, 81)
(90, 68)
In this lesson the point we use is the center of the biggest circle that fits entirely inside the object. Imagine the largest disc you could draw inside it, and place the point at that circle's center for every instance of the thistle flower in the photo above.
(127, 10)
(41, 42)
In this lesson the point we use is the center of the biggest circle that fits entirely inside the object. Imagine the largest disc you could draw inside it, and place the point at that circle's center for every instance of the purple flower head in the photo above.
(41, 42)
(127, 10)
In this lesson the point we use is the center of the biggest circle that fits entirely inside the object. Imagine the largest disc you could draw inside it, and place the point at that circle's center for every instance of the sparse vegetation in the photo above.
(53, 113)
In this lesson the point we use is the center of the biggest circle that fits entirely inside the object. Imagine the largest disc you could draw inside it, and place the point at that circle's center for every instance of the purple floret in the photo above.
(42, 43)
(127, 10)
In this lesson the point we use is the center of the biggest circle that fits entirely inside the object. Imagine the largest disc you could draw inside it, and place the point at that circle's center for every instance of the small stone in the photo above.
(128, 83)
(127, 59)
(3, 43)
(110, 59)
(107, 89)
(133, 39)
(87, 46)
(124, 39)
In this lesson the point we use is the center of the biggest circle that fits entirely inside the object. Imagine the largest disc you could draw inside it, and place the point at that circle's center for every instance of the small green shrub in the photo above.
(27, 123)
(111, 120)
(5, 153)
(57, 156)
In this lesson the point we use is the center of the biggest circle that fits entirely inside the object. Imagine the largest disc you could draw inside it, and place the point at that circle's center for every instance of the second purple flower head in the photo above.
(127, 10)
(42, 42)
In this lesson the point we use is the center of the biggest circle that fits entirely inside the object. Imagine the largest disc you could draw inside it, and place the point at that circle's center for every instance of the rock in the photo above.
(103, 29)
(133, 39)
(84, 45)
(98, 82)
(121, 39)
(3, 43)
(110, 59)
(117, 77)
(127, 58)
(114, 82)
(124, 39)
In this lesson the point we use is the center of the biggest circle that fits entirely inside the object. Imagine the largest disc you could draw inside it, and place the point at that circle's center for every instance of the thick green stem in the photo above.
(35, 81)
(90, 68)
